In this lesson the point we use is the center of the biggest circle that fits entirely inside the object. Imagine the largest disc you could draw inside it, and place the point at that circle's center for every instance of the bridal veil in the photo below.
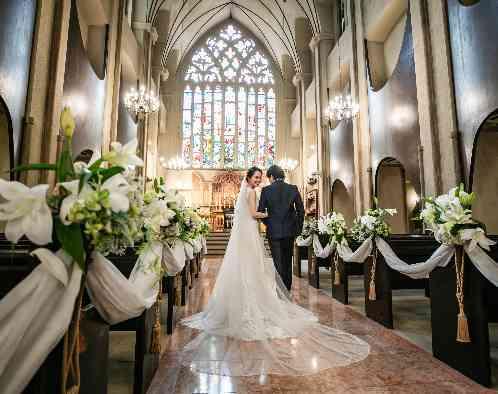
(250, 325)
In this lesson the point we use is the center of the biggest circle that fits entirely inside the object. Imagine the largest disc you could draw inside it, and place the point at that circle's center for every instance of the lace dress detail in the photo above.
(251, 326)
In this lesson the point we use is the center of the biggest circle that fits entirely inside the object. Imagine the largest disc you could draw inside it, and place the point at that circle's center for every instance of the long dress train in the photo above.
(250, 326)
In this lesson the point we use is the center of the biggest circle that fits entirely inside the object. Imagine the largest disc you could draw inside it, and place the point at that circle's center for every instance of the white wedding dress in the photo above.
(250, 326)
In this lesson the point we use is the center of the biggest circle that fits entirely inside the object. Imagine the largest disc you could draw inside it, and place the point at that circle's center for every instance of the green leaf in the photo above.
(35, 166)
(105, 173)
(65, 168)
(96, 165)
(71, 240)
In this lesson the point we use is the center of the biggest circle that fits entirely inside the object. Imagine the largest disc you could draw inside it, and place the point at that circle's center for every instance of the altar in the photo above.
(213, 192)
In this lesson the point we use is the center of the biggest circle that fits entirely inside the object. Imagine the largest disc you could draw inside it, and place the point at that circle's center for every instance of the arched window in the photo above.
(229, 103)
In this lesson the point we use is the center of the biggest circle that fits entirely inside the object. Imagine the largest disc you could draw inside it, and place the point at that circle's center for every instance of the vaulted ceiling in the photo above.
(271, 21)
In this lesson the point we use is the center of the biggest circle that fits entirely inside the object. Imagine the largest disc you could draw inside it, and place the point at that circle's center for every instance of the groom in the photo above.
(284, 222)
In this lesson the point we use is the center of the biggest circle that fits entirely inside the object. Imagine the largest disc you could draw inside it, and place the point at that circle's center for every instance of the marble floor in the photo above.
(394, 365)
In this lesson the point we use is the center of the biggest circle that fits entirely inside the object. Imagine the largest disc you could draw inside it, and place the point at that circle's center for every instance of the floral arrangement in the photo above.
(372, 224)
(166, 219)
(92, 207)
(449, 217)
(333, 225)
(161, 215)
(191, 224)
(310, 227)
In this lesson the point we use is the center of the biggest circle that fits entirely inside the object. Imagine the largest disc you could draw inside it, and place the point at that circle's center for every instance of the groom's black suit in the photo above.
(284, 223)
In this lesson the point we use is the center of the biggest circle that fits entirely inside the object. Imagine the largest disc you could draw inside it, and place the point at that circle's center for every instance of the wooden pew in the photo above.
(410, 248)
(146, 363)
(340, 291)
(300, 253)
(481, 307)
(169, 290)
(314, 264)
(185, 282)
(16, 264)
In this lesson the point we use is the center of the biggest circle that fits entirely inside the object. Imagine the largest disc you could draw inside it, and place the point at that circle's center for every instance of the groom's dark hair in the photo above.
(276, 172)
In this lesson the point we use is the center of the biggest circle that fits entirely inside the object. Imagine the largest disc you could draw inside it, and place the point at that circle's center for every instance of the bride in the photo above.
(250, 325)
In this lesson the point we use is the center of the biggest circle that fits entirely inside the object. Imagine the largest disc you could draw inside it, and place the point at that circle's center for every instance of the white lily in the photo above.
(368, 221)
(26, 212)
(124, 155)
(158, 214)
(118, 189)
(476, 236)
(74, 196)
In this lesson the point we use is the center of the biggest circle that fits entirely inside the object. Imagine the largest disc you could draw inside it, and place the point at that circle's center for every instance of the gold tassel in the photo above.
(178, 290)
(71, 349)
(372, 296)
(337, 275)
(155, 343)
(462, 323)
(463, 328)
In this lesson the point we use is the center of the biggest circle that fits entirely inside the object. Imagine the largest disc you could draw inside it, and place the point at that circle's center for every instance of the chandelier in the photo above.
(176, 163)
(141, 103)
(288, 164)
(343, 107)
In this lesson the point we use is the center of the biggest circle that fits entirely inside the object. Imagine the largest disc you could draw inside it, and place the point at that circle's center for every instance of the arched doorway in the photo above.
(6, 143)
(394, 190)
(484, 173)
(342, 201)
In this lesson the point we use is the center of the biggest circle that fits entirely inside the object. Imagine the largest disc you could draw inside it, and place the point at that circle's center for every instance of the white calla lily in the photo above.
(26, 212)
(68, 202)
(118, 189)
(124, 155)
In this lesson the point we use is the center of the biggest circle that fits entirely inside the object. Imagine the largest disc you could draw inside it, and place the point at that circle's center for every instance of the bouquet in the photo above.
(449, 217)
(310, 227)
(372, 224)
(160, 219)
(93, 207)
(334, 226)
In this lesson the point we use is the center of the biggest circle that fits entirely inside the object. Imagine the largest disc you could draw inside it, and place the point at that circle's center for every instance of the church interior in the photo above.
(384, 114)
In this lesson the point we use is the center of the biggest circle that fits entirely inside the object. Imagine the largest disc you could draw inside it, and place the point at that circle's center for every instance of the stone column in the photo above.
(435, 96)
(321, 45)
(51, 128)
(39, 94)
(113, 75)
(361, 127)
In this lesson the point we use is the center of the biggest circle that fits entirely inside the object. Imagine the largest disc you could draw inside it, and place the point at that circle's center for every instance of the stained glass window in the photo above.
(229, 103)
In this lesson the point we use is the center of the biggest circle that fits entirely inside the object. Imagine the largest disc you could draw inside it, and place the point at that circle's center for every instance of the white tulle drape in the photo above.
(318, 249)
(250, 325)
(34, 317)
(440, 258)
(118, 298)
(36, 313)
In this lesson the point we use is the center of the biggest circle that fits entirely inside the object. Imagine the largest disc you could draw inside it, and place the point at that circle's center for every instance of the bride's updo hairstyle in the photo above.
(251, 171)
